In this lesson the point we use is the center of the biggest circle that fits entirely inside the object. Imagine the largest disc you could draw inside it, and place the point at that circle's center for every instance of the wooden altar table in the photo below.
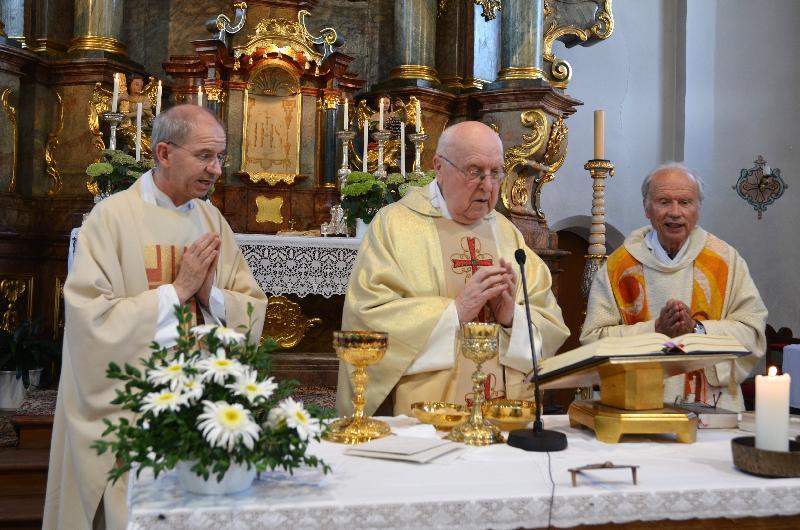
(492, 487)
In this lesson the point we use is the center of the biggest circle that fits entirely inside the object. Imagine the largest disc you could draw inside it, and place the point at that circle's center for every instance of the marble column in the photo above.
(414, 41)
(98, 26)
(12, 15)
(48, 33)
(330, 105)
(522, 23)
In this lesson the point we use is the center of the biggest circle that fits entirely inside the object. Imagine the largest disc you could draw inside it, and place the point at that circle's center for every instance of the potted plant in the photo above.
(116, 171)
(208, 407)
(24, 353)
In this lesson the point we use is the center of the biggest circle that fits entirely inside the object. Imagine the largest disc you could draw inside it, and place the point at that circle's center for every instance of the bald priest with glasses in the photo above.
(140, 252)
(440, 257)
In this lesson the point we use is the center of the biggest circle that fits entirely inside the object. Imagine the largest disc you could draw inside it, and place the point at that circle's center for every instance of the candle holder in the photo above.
(418, 139)
(765, 463)
(381, 136)
(113, 119)
(338, 223)
(596, 256)
(346, 137)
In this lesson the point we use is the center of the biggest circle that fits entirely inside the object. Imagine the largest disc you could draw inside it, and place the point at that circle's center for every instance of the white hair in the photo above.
(674, 166)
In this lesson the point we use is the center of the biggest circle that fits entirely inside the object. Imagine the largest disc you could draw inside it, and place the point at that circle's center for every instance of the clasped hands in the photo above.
(675, 319)
(198, 265)
(496, 286)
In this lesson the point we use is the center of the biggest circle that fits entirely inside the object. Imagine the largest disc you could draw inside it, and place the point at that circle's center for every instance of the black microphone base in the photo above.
(544, 441)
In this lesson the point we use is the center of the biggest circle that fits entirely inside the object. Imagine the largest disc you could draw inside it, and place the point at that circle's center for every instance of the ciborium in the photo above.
(360, 349)
(479, 343)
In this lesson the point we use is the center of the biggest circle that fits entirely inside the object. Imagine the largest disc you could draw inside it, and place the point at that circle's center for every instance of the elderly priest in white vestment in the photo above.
(140, 252)
(439, 257)
(674, 278)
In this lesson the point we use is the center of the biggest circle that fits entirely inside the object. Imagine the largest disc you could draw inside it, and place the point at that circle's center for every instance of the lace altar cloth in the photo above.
(291, 265)
(483, 487)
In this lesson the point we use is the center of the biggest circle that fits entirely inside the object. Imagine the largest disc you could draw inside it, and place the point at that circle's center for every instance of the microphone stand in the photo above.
(536, 439)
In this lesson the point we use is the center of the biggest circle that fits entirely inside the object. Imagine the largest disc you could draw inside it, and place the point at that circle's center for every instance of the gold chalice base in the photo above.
(356, 430)
(509, 414)
(610, 423)
(443, 416)
(470, 434)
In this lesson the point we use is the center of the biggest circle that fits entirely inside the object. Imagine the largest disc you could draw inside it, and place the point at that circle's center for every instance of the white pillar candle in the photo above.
(599, 134)
(346, 113)
(419, 117)
(158, 99)
(380, 114)
(772, 411)
(200, 95)
(115, 94)
(403, 148)
(139, 131)
(366, 141)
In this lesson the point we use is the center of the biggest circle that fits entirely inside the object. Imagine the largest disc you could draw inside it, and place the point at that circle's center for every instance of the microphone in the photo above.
(536, 439)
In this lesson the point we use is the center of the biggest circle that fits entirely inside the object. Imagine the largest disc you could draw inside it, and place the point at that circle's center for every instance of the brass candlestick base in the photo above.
(479, 343)
(361, 349)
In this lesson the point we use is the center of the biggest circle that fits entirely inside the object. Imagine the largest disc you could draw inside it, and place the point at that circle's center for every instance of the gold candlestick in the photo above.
(479, 343)
(361, 349)
(418, 139)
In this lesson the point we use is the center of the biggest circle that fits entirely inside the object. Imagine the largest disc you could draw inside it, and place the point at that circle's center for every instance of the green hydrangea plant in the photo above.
(364, 195)
(116, 171)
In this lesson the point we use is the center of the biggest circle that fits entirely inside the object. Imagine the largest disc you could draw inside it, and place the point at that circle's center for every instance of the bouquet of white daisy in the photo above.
(208, 401)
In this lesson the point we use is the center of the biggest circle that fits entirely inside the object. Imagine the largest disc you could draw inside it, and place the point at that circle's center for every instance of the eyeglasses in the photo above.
(206, 157)
(475, 174)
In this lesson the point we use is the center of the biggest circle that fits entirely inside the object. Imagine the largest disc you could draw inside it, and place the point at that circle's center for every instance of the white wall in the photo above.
(712, 83)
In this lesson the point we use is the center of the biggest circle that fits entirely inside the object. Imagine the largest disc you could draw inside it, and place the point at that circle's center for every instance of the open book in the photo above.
(644, 345)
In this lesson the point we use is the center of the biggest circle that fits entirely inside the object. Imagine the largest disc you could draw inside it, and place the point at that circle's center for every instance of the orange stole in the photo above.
(162, 263)
(709, 284)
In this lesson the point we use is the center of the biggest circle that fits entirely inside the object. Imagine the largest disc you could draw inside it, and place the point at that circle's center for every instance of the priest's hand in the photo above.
(204, 293)
(674, 319)
(503, 304)
(485, 285)
(195, 265)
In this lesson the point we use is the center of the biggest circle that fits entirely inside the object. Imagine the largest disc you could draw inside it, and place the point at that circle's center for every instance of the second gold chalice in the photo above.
(479, 343)
(361, 349)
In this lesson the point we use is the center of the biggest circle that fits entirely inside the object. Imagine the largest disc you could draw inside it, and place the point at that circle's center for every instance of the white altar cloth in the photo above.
(483, 487)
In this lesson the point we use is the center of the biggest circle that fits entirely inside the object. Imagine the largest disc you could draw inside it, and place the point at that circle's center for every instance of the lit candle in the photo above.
(419, 118)
(598, 134)
(772, 411)
(346, 113)
(366, 141)
(200, 95)
(403, 148)
(115, 94)
(139, 131)
(158, 99)
(380, 118)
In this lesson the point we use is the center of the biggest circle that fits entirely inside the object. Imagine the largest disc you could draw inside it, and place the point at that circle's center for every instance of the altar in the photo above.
(490, 487)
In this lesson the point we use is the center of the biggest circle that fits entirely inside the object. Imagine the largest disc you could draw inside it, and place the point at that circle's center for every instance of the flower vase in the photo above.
(237, 479)
(361, 228)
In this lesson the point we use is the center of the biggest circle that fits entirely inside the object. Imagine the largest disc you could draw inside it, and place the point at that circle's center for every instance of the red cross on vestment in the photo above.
(472, 258)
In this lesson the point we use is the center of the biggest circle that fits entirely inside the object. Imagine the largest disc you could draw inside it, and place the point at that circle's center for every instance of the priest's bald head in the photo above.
(469, 168)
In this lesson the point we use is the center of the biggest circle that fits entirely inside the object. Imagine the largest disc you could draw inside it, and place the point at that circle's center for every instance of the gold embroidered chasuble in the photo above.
(125, 249)
(398, 285)
(711, 278)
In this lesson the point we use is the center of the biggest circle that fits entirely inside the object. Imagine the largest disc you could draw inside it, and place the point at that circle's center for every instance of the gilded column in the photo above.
(521, 34)
(415, 40)
(98, 26)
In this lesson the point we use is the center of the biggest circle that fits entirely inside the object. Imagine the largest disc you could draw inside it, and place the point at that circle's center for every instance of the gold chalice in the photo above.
(361, 349)
(479, 343)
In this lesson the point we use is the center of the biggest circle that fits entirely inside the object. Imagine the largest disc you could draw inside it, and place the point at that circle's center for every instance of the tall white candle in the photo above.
(366, 141)
(403, 148)
(115, 94)
(772, 411)
(139, 131)
(599, 134)
(419, 117)
(200, 95)
(380, 118)
(158, 99)
(346, 113)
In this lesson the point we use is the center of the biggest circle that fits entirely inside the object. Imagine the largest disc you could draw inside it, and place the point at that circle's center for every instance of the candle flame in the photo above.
(773, 371)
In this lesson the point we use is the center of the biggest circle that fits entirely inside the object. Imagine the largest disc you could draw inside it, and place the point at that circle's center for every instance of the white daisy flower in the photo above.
(298, 418)
(203, 330)
(229, 336)
(192, 389)
(173, 374)
(246, 385)
(218, 367)
(224, 425)
(164, 400)
(275, 418)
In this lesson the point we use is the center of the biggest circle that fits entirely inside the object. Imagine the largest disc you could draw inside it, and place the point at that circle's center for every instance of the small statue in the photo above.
(127, 105)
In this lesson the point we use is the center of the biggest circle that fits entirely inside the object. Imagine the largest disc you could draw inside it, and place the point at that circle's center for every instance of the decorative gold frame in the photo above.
(12, 288)
(11, 114)
(286, 323)
(52, 144)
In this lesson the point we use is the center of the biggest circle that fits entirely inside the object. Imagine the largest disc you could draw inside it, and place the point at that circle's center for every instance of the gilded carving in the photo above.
(556, 151)
(52, 144)
(11, 291)
(441, 8)
(286, 323)
(599, 27)
(11, 114)
(269, 210)
(519, 155)
(99, 102)
(58, 307)
(490, 8)
(399, 110)
(215, 94)
(331, 101)
(519, 191)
